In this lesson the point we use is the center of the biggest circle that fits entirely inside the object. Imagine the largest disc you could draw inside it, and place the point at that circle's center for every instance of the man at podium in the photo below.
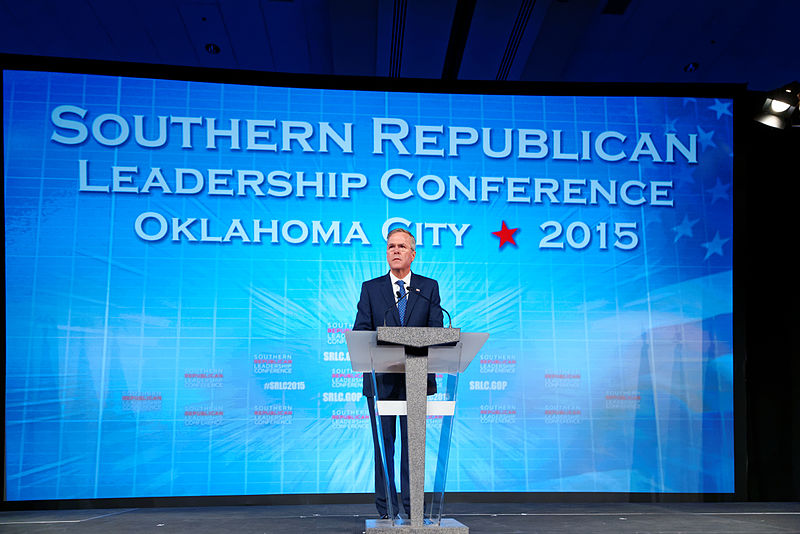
(398, 298)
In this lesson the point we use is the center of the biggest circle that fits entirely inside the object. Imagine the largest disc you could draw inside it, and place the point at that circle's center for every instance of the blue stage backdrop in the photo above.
(182, 260)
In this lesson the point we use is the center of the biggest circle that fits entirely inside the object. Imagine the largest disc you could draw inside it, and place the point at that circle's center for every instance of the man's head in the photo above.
(400, 251)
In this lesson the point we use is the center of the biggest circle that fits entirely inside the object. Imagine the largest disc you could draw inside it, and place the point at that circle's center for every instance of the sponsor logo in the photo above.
(623, 400)
(350, 418)
(264, 363)
(207, 415)
(558, 414)
(562, 379)
(499, 413)
(498, 363)
(336, 332)
(273, 414)
(141, 401)
(345, 378)
(202, 378)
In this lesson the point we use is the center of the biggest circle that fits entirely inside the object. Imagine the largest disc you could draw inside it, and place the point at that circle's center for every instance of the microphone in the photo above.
(399, 297)
(417, 291)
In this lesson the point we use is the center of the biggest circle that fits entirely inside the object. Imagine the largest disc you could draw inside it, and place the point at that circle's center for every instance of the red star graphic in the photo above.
(506, 235)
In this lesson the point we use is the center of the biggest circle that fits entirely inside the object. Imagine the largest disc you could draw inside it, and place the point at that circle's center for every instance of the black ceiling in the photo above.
(664, 41)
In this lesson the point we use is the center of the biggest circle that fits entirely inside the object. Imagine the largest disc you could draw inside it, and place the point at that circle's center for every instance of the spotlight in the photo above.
(780, 107)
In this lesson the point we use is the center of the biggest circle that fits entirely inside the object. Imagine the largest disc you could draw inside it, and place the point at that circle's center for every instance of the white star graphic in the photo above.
(670, 127)
(719, 191)
(705, 138)
(721, 108)
(684, 228)
(714, 246)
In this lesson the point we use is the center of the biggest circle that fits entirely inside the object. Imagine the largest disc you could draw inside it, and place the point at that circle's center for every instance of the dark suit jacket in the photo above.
(378, 301)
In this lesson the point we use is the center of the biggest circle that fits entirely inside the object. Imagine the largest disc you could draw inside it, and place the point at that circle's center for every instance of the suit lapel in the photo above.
(387, 291)
(412, 298)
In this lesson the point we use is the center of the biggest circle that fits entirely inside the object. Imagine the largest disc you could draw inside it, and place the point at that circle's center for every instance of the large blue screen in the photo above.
(182, 260)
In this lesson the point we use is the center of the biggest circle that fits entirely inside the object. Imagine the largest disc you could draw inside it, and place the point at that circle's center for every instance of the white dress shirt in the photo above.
(396, 288)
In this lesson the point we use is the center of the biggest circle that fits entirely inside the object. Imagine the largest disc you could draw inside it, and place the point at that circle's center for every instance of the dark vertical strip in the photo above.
(523, 15)
(398, 31)
(459, 31)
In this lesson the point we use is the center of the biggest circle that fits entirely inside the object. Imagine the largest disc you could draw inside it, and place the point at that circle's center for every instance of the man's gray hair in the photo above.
(404, 231)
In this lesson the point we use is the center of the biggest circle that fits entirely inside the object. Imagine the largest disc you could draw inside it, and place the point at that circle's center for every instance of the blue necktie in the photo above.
(401, 304)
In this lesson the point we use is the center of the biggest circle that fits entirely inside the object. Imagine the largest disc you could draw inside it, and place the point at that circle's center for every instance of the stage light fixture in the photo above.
(780, 107)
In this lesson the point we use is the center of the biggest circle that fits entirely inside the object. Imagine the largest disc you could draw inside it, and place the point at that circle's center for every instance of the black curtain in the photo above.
(768, 267)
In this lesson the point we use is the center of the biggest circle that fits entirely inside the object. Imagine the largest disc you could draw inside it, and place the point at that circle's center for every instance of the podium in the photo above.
(417, 351)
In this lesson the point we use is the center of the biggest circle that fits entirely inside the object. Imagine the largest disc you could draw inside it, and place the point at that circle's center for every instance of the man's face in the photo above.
(399, 253)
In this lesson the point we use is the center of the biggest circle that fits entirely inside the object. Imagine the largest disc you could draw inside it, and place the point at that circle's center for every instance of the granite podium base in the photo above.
(384, 526)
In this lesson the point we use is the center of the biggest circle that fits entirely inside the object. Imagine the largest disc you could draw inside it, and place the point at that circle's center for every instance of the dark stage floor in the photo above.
(726, 518)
